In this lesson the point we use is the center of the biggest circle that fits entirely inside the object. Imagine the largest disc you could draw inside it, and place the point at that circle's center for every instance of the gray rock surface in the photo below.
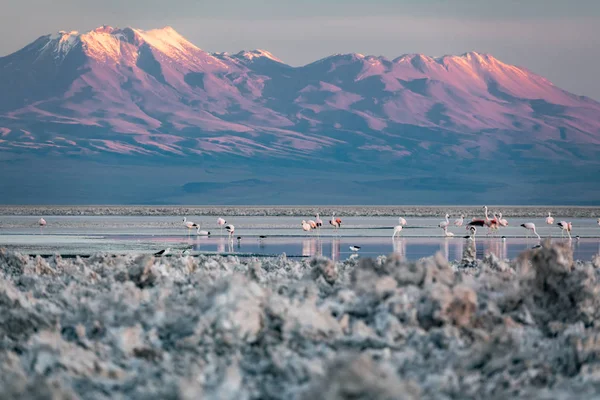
(186, 327)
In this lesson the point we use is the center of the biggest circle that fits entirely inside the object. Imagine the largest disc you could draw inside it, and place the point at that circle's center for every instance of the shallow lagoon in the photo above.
(420, 238)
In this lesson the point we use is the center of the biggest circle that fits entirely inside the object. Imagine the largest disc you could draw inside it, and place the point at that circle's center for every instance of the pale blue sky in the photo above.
(556, 38)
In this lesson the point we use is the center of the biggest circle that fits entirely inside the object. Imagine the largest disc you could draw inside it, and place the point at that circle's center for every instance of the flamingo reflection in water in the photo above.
(312, 247)
(400, 248)
(497, 248)
(444, 249)
(335, 249)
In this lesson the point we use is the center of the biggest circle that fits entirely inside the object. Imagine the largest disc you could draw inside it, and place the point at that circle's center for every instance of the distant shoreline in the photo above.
(269, 210)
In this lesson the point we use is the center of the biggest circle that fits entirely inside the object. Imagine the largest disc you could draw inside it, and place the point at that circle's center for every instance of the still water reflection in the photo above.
(407, 248)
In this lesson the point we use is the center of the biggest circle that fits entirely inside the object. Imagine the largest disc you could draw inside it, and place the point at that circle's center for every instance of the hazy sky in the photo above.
(558, 39)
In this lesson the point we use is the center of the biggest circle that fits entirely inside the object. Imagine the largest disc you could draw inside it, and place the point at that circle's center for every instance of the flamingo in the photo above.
(598, 221)
(549, 219)
(495, 223)
(189, 224)
(401, 221)
(231, 229)
(220, 223)
(202, 233)
(459, 221)
(313, 224)
(530, 226)
(42, 224)
(397, 230)
(483, 222)
(354, 248)
(444, 224)
(502, 221)
(318, 221)
(446, 233)
(565, 226)
(335, 222)
(306, 226)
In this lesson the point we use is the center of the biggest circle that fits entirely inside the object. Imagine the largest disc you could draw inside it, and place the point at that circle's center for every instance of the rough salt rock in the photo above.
(443, 305)
(596, 261)
(12, 264)
(235, 313)
(226, 327)
(496, 264)
(306, 320)
(325, 268)
(469, 256)
(143, 272)
(358, 377)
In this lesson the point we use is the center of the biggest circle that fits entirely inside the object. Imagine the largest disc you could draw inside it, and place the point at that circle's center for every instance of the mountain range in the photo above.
(134, 116)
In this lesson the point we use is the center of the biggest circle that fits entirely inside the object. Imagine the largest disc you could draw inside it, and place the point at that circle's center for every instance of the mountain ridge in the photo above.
(131, 94)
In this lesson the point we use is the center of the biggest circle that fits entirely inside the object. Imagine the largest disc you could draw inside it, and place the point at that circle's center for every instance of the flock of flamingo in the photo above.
(492, 225)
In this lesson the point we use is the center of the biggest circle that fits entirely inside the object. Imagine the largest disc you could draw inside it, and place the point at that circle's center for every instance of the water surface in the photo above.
(420, 237)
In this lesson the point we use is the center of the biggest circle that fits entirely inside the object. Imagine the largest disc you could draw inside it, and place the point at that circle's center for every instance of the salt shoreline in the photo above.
(229, 328)
(296, 211)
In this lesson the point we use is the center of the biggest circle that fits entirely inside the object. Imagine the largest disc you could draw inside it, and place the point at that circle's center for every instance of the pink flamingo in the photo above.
(335, 222)
(459, 221)
(530, 226)
(565, 226)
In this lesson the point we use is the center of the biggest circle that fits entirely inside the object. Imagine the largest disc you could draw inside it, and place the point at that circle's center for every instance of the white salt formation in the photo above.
(225, 328)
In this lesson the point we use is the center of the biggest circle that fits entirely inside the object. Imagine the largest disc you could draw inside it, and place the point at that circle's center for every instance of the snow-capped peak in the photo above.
(106, 43)
(258, 53)
(61, 43)
(166, 40)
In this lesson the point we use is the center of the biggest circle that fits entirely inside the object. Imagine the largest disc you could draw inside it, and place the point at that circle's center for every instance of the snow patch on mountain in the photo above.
(257, 54)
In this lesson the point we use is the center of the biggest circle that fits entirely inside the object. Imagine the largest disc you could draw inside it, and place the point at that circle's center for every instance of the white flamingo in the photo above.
(306, 226)
(446, 233)
(220, 223)
(401, 221)
(598, 221)
(549, 219)
(459, 221)
(231, 229)
(397, 230)
(318, 221)
(530, 226)
(565, 227)
(42, 224)
(444, 224)
(189, 224)
(202, 233)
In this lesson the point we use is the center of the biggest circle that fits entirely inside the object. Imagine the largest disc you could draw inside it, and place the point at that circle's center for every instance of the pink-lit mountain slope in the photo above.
(155, 93)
